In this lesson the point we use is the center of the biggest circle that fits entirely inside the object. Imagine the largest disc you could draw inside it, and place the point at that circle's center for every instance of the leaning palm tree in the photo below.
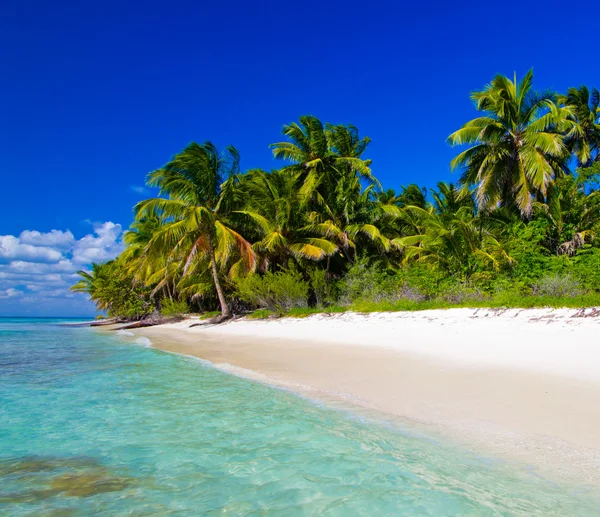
(136, 239)
(91, 283)
(198, 234)
(517, 147)
(584, 137)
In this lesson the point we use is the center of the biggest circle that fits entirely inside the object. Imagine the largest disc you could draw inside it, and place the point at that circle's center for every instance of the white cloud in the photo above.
(104, 245)
(32, 268)
(10, 293)
(11, 248)
(54, 238)
(37, 269)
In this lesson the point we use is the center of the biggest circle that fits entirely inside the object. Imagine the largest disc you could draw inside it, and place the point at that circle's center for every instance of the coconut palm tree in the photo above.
(412, 195)
(324, 155)
(92, 283)
(333, 173)
(198, 234)
(517, 147)
(278, 209)
(449, 199)
(350, 217)
(584, 137)
(459, 243)
(572, 215)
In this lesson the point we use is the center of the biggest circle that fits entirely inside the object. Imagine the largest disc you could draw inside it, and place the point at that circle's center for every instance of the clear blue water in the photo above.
(90, 425)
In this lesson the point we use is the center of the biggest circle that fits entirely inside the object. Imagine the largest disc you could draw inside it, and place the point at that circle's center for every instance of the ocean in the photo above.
(95, 424)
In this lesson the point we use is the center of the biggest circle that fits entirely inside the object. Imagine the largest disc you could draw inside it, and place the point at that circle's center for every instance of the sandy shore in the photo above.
(523, 384)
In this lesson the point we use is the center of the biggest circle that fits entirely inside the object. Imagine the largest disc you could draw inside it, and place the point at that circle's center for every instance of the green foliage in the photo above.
(170, 307)
(277, 292)
(114, 289)
(366, 279)
(517, 146)
(319, 286)
(210, 314)
(558, 286)
(519, 228)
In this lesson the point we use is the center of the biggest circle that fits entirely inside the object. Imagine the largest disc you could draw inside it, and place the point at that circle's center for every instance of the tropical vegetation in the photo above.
(517, 227)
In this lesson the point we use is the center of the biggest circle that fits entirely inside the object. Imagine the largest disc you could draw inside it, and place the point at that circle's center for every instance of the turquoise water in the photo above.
(90, 425)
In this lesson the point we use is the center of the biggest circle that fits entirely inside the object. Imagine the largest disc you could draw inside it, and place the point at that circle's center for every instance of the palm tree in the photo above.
(92, 283)
(136, 239)
(323, 155)
(459, 243)
(584, 137)
(449, 199)
(412, 195)
(351, 216)
(328, 160)
(278, 209)
(517, 147)
(198, 234)
(572, 215)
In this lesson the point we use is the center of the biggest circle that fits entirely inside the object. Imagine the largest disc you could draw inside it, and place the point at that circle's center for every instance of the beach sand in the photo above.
(518, 384)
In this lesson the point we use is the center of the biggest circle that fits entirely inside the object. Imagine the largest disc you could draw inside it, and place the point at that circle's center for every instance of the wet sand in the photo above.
(523, 385)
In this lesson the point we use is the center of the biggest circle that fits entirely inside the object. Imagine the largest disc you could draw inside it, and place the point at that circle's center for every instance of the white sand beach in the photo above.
(523, 384)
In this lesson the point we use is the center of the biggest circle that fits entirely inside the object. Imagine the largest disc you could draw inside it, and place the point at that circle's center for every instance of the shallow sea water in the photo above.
(91, 425)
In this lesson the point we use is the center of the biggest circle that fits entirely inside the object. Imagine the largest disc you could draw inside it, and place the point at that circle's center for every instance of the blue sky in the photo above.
(97, 94)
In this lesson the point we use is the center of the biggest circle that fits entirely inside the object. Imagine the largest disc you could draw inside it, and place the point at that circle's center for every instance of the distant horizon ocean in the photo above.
(93, 425)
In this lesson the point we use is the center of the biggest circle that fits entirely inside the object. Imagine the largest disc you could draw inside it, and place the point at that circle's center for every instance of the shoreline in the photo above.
(515, 384)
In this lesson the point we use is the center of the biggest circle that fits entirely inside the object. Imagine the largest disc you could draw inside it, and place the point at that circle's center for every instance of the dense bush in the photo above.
(115, 290)
(559, 286)
(279, 291)
(319, 286)
(170, 307)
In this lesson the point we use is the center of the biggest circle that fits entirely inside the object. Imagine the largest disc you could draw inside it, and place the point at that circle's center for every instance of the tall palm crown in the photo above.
(584, 137)
(199, 183)
(328, 160)
(448, 199)
(323, 154)
(516, 148)
(276, 205)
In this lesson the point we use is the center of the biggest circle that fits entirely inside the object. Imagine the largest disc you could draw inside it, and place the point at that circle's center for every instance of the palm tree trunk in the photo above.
(225, 309)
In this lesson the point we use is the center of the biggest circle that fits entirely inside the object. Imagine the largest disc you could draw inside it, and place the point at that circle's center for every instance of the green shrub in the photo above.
(319, 286)
(585, 267)
(173, 308)
(280, 291)
(368, 281)
(558, 286)
(210, 314)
